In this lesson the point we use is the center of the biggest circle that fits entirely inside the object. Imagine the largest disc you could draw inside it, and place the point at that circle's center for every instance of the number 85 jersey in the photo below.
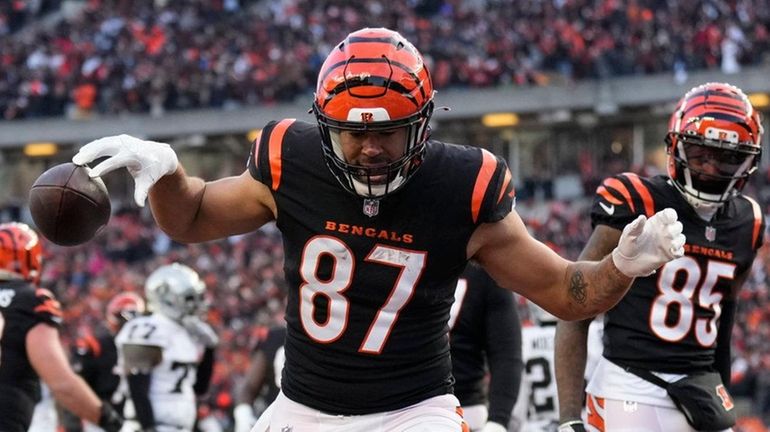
(668, 321)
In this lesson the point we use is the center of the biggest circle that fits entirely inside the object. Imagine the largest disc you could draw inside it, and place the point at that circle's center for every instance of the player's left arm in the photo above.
(503, 349)
(574, 290)
(204, 372)
(722, 355)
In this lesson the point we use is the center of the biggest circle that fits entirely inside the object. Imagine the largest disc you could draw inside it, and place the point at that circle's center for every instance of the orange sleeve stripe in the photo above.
(616, 184)
(641, 189)
(757, 222)
(274, 150)
(601, 190)
(506, 182)
(93, 343)
(488, 165)
(49, 307)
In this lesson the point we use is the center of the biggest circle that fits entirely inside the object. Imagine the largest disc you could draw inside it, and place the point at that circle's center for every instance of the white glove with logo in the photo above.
(647, 244)
(146, 161)
(244, 417)
(493, 427)
(201, 331)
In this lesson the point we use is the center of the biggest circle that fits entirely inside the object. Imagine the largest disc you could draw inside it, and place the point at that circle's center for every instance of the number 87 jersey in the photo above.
(668, 321)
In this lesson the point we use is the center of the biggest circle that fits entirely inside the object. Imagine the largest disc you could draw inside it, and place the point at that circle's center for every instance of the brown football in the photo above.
(68, 206)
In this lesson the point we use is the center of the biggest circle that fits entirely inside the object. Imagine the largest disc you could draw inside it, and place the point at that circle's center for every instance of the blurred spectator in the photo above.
(150, 56)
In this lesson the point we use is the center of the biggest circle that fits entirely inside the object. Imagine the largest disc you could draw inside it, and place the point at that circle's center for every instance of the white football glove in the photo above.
(244, 417)
(647, 244)
(201, 331)
(493, 427)
(146, 161)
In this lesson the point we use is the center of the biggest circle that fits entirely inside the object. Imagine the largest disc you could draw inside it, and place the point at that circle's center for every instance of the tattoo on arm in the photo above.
(577, 287)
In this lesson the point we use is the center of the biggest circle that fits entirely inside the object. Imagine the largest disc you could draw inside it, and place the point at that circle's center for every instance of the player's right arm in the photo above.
(49, 360)
(570, 350)
(255, 378)
(187, 208)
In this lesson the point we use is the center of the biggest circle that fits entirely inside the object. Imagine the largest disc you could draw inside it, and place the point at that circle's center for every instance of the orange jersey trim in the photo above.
(601, 190)
(506, 182)
(617, 185)
(274, 150)
(757, 222)
(488, 165)
(649, 203)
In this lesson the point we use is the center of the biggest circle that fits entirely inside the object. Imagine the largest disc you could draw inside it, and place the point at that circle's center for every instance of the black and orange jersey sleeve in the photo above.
(620, 199)
(265, 159)
(47, 309)
(759, 225)
(493, 194)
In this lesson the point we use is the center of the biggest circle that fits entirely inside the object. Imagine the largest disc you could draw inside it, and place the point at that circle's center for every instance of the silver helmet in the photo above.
(175, 291)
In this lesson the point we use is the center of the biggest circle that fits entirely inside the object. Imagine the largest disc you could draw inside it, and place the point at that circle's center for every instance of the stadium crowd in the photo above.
(140, 56)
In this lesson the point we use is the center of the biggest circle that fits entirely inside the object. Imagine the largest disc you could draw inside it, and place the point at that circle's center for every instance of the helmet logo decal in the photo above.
(371, 207)
(367, 117)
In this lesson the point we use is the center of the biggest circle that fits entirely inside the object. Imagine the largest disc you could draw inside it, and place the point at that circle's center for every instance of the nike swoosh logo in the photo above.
(610, 209)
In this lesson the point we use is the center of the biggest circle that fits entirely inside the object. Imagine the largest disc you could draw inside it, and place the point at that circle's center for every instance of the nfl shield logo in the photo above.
(371, 207)
(711, 233)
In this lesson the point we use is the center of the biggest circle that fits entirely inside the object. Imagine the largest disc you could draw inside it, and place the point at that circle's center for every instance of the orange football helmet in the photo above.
(374, 80)
(21, 252)
(122, 308)
(714, 125)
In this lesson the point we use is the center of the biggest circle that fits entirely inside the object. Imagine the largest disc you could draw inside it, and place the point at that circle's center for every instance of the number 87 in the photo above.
(411, 263)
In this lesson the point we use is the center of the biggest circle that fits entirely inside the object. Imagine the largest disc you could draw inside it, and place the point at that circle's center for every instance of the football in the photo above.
(68, 206)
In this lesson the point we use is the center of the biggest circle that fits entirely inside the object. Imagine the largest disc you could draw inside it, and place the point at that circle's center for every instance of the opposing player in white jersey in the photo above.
(537, 407)
(168, 356)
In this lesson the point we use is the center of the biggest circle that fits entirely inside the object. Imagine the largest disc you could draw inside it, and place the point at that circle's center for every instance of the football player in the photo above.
(30, 348)
(378, 222)
(485, 336)
(537, 407)
(676, 321)
(168, 355)
(263, 377)
(95, 356)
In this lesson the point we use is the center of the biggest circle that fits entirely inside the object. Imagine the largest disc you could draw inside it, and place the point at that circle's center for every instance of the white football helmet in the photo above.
(175, 291)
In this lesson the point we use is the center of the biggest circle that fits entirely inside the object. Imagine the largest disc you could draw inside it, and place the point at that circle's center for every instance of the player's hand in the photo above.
(647, 244)
(572, 426)
(109, 419)
(493, 427)
(201, 331)
(244, 417)
(146, 161)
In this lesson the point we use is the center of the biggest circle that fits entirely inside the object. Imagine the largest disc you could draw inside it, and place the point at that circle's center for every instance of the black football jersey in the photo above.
(95, 358)
(668, 321)
(22, 306)
(371, 282)
(485, 336)
(271, 346)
